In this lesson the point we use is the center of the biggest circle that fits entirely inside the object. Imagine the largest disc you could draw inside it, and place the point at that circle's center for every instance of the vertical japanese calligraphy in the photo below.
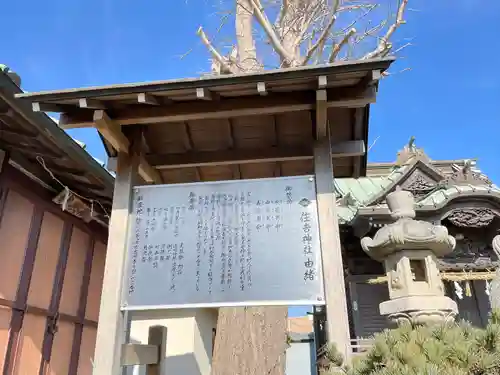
(199, 228)
(233, 242)
(211, 246)
(307, 239)
(139, 211)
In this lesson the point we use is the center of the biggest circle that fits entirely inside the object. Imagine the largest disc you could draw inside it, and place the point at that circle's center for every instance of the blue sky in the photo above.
(449, 100)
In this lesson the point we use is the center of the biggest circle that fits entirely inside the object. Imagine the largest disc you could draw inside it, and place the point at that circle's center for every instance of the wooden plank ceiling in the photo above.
(251, 137)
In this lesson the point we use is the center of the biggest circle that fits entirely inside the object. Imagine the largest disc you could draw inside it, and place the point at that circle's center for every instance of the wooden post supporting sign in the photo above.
(111, 321)
(337, 324)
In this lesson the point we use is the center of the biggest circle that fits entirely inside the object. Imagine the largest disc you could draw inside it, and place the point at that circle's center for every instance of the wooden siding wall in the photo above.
(51, 271)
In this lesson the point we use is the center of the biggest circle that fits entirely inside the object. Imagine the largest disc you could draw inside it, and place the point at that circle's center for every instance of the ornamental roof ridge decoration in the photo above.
(410, 153)
(466, 175)
(412, 167)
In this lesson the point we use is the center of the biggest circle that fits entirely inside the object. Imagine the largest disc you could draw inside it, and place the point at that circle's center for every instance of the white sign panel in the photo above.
(231, 243)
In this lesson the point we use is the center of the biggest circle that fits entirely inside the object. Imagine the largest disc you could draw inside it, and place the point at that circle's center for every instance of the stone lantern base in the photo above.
(420, 310)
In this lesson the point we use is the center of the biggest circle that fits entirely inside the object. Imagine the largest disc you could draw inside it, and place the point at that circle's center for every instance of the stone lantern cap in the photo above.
(406, 233)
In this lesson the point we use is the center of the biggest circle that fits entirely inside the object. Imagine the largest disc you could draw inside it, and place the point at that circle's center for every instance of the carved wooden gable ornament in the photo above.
(419, 183)
(419, 176)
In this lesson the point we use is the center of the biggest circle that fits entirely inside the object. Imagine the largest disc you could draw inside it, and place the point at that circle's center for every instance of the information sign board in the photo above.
(230, 243)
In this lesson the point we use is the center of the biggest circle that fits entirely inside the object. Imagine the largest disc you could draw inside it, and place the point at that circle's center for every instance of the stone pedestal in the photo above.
(419, 310)
(409, 249)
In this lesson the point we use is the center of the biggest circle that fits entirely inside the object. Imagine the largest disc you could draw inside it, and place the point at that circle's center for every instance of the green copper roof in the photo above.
(363, 189)
(353, 194)
(439, 197)
(360, 191)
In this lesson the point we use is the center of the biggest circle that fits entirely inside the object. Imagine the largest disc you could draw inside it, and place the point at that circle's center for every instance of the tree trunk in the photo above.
(250, 341)
(247, 53)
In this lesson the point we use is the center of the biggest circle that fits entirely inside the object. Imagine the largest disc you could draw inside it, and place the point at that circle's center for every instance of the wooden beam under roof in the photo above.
(144, 98)
(227, 108)
(248, 156)
(261, 88)
(322, 82)
(148, 173)
(359, 115)
(371, 78)
(205, 94)
(49, 107)
(112, 133)
(321, 114)
(90, 103)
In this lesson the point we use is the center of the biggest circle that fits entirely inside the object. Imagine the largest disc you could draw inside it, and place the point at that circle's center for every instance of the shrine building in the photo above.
(452, 193)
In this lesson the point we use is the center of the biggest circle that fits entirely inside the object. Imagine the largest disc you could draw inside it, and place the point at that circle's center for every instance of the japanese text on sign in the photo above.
(220, 244)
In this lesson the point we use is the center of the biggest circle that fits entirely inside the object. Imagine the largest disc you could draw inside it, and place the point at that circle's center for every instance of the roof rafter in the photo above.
(250, 156)
(233, 107)
(111, 131)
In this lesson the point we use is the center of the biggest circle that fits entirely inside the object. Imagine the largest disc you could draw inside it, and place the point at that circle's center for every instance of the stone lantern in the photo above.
(409, 248)
(495, 284)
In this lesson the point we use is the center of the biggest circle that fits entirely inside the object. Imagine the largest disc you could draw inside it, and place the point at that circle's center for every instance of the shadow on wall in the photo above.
(188, 340)
(179, 364)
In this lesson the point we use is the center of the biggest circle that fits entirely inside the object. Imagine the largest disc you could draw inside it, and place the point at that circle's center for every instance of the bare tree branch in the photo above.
(281, 15)
(402, 47)
(348, 8)
(185, 54)
(303, 27)
(321, 40)
(353, 23)
(338, 46)
(276, 43)
(371, 31)
(216, 55)
(373, 144)
(387, 74)
(307, 19)
(384, 47)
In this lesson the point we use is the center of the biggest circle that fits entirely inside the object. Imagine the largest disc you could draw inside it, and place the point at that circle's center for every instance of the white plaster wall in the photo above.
(206, 322)
(188, 349)
(300, 359)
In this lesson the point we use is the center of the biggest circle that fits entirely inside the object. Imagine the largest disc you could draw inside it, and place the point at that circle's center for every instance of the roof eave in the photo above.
(207, 82)
(44, 124)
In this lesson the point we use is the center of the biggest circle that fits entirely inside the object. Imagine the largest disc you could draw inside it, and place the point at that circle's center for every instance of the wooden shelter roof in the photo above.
(227, 127)
(43, 151)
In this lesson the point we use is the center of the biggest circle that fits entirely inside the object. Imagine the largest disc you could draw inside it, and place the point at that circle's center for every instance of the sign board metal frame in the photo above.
(267, 227)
